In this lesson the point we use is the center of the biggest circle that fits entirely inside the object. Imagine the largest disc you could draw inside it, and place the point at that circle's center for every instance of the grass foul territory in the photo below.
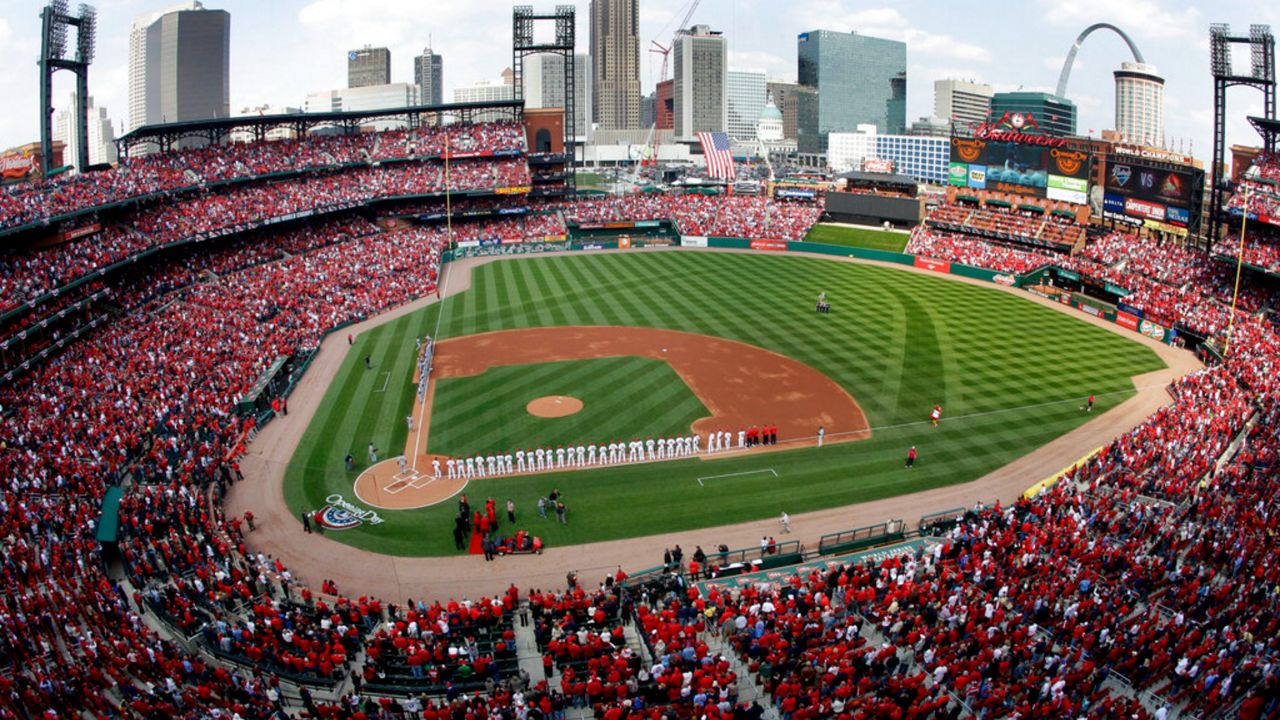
(1008, 373)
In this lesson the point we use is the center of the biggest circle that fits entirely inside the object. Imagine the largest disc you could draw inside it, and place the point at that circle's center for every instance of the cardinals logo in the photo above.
(1121, 174)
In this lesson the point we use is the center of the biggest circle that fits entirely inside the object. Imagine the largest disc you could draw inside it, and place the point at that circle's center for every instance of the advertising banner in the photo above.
(978, 177)
(1068, 189)
(933, 264)
(877, 166)
(959, 174)
(1124, 319)
(1165, 227)
(795, 193)
(1151, 330)
(693, 241)
(768, 245)
(1143, 209)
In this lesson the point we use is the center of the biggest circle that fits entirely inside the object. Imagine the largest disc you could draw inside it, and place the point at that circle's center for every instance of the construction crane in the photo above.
(665, 50)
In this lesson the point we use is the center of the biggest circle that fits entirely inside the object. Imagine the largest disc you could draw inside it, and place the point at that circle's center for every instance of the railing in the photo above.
(859, 538)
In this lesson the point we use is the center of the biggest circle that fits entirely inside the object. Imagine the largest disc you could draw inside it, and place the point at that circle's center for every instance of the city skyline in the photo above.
(979, 46)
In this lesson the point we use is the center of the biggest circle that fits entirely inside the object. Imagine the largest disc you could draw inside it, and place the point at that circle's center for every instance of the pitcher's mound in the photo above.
(554, 406)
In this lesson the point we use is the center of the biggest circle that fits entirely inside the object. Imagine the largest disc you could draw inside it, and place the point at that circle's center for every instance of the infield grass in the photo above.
(486, 412)
(857, 237)
(1009, 374)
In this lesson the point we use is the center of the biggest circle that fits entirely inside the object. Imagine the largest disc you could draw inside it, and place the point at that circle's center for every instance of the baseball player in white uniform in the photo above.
(520, 460)
(540, 453)
(435, 468)
(742, 439)
(451, 468)
(506, 460)
(582, 455)
(591, 454)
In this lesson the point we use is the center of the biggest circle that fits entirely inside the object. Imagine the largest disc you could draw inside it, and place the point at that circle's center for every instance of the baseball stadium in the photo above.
(379, 414)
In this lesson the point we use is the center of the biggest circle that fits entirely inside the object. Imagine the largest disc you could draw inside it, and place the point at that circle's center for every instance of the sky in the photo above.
(283, 49)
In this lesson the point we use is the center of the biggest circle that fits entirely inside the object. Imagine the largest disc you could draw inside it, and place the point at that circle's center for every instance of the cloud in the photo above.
(759, 60)
(1149, 19)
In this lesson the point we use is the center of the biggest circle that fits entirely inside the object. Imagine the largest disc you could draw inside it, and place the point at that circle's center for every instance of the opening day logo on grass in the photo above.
(342, 515)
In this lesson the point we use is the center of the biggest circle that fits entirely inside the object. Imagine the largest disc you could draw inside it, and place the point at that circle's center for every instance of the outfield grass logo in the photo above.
(342, 515)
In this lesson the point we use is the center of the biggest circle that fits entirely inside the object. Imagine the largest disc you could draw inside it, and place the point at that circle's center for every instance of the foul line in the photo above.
(386, 380)
(422, 408)
(771, 471)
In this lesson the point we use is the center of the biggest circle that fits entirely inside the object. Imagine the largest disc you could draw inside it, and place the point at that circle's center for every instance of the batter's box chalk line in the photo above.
(408, 480)
(771, 471)
(386, 380)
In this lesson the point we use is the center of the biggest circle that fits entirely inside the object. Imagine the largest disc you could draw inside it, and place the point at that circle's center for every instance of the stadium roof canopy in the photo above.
(1266, 127)
(162, 137)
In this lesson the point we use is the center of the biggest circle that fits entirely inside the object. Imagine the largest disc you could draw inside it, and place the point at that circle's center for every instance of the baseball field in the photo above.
(1011, 376)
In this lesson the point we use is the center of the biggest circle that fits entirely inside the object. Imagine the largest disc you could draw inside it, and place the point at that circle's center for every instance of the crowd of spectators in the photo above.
(970, 250)
(1261, 248)
(188, 169)
(30, 275)
(1011, 225)
(738, 216)
(1149, 569)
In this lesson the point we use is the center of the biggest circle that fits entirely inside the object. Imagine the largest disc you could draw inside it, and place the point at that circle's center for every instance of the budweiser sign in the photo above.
(988, 131)
(15, 165)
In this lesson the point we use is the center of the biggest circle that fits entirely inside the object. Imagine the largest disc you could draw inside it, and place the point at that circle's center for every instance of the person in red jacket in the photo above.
(911, 457)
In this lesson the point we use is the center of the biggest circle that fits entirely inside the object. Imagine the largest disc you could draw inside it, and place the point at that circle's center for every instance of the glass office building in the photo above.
(858, 79)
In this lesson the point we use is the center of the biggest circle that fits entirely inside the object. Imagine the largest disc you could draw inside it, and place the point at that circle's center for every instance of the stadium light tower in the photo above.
(55, 20)
(1262, 76)
(524, 20)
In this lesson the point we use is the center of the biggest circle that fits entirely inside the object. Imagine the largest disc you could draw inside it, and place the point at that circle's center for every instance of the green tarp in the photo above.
(999, 203)
(109, 520)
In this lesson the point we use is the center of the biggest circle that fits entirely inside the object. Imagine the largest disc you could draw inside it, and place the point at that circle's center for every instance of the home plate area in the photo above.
(408, 480)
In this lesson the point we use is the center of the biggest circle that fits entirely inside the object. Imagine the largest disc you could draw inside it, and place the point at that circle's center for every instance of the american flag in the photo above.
(715, 148)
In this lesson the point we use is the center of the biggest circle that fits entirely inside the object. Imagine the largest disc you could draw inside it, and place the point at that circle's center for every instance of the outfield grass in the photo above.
(1009, 373)
(857, 237)
(486, 412)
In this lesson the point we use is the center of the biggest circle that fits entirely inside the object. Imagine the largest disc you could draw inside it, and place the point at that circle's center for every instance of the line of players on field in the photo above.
(635, 451)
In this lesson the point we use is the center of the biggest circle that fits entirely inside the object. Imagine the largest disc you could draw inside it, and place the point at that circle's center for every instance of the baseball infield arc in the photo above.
(554, 406)
(741, 384)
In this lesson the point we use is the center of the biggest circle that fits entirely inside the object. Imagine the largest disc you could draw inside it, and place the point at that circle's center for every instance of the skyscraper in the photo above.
(746, 101)
(962, 103)
(368, 66)
(544, 81)
(179, 65)
(1140, 104)
(102, 139)
(615, 63)
(583, 93)
(700, 69)
(859, 80)
(428, 75)
(1053, 115)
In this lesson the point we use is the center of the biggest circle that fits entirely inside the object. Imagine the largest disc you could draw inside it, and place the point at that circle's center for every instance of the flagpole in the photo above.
(1235, 295)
